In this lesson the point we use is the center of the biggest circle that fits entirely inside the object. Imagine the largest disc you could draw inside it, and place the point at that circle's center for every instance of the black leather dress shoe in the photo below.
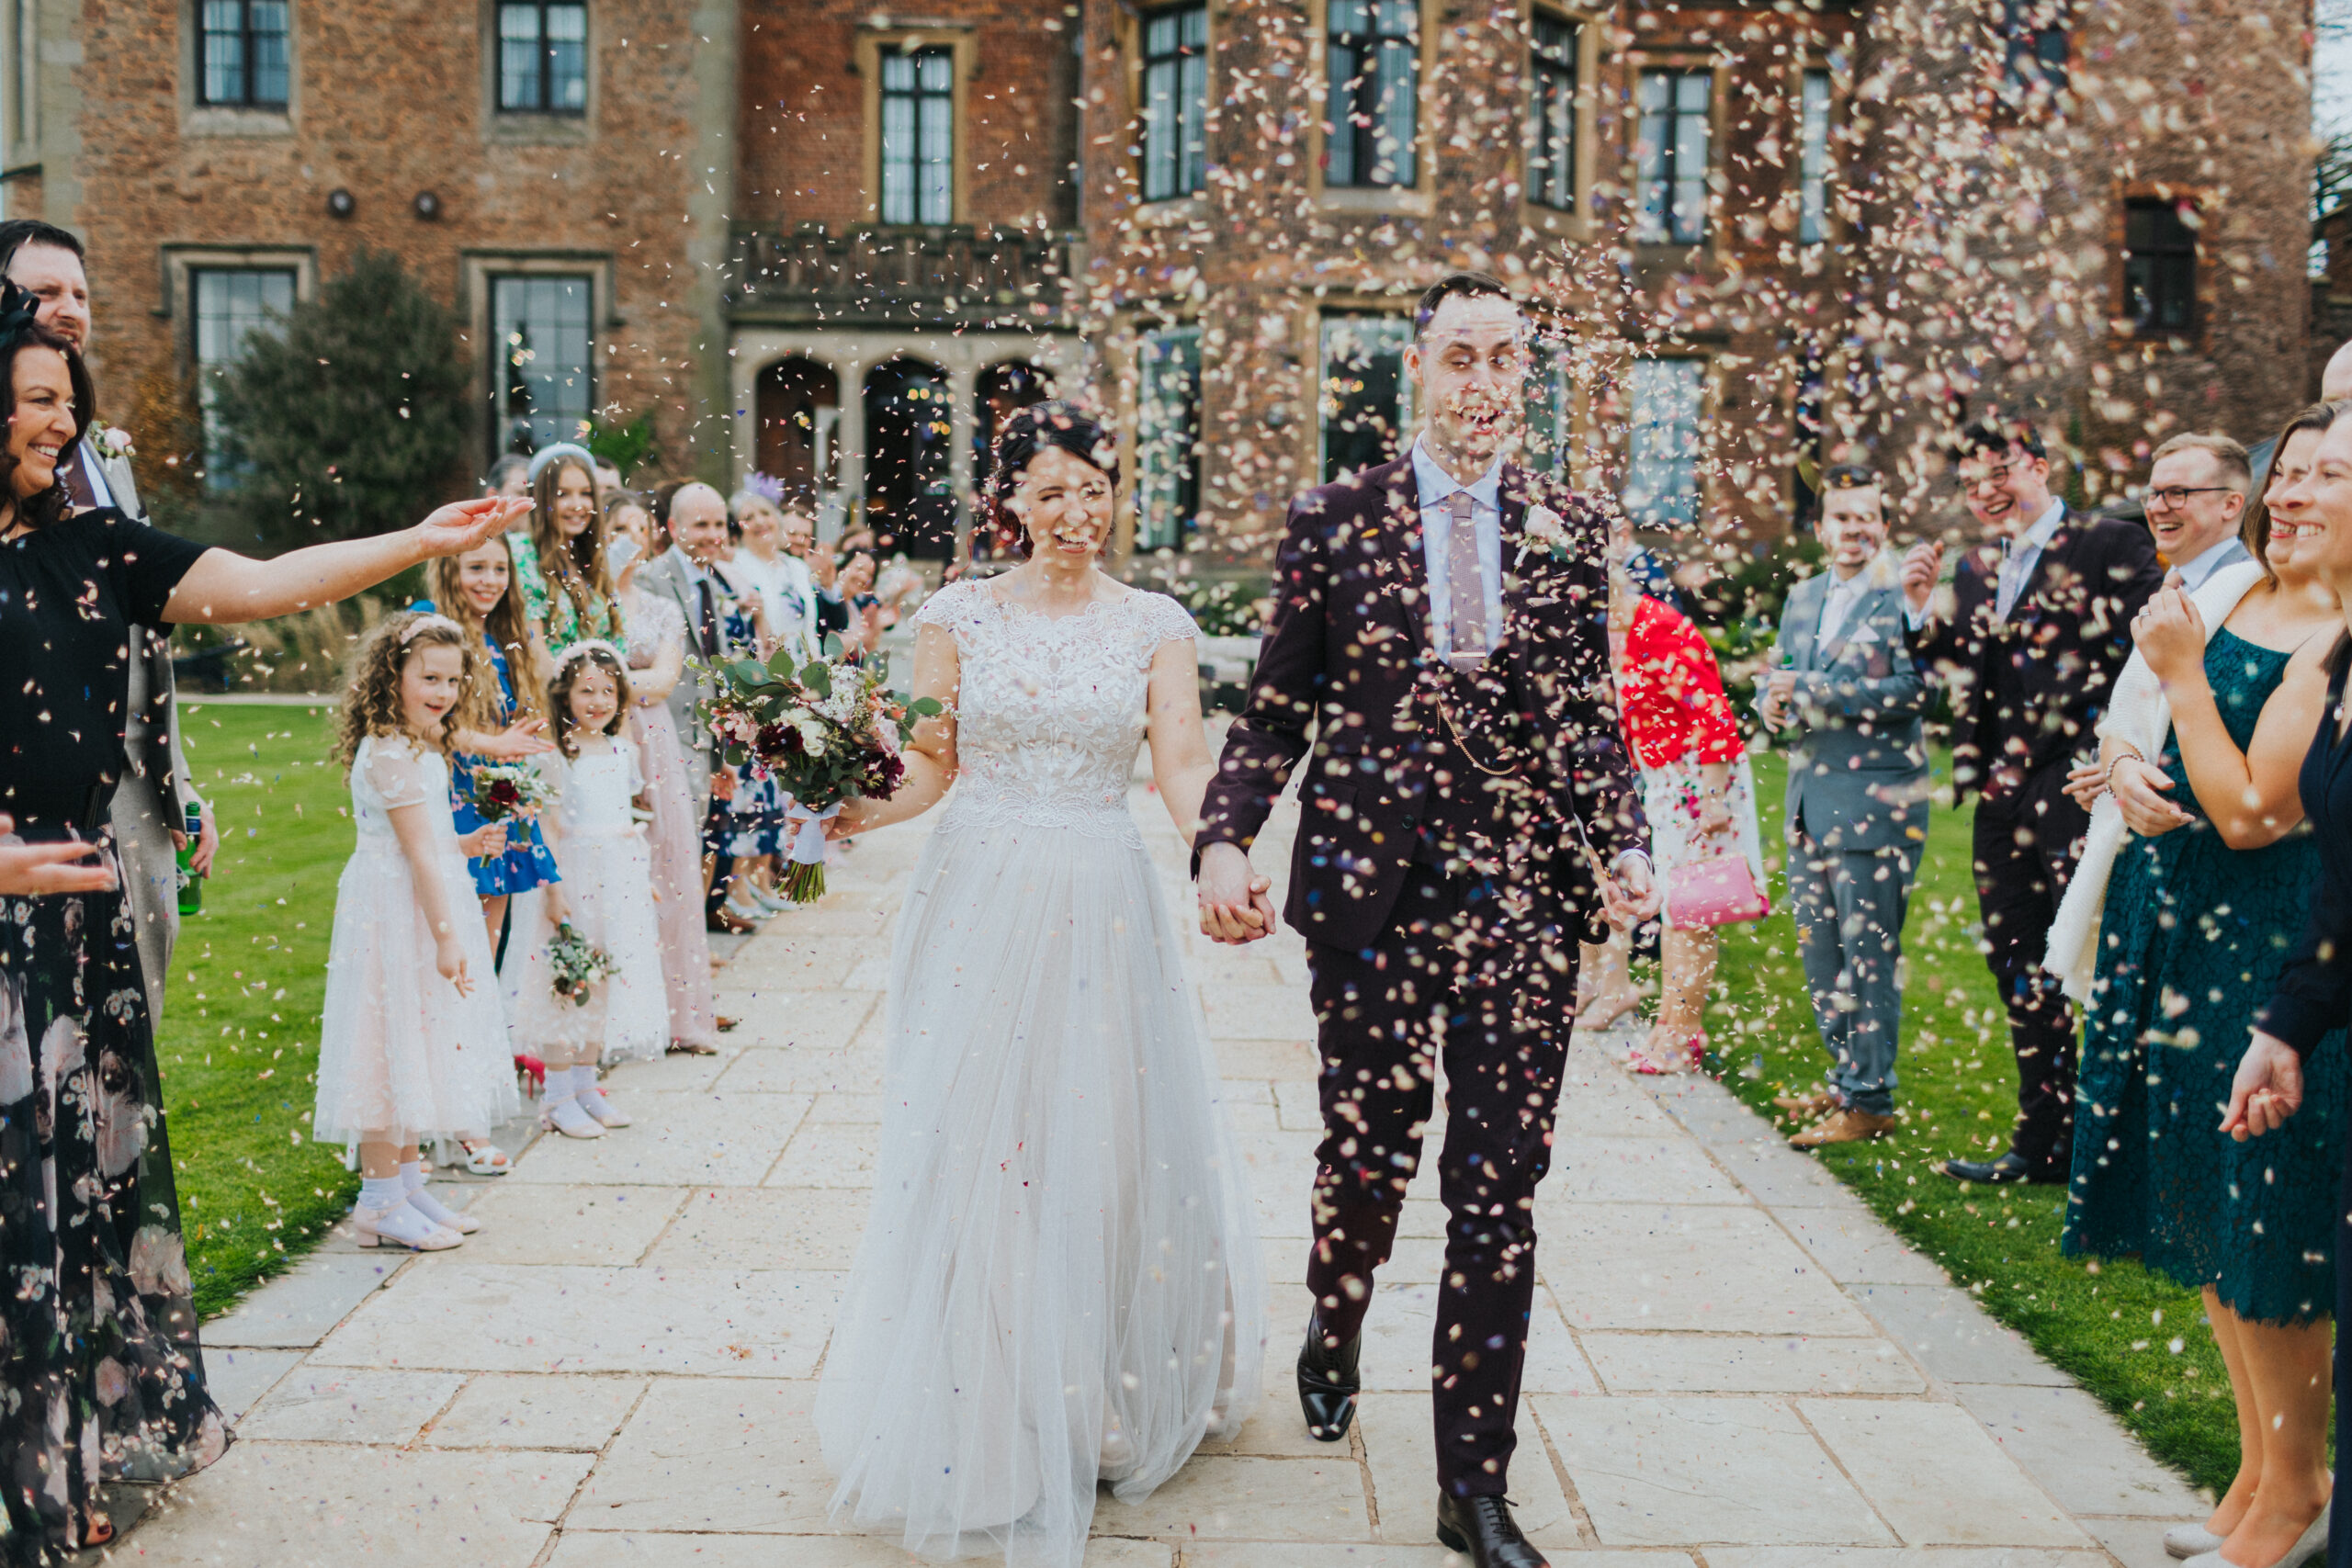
(2009, 1170)
(1328, 1385)
(1482, 1530)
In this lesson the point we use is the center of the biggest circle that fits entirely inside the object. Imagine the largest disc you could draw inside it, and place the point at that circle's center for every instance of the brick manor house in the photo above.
(838, 245)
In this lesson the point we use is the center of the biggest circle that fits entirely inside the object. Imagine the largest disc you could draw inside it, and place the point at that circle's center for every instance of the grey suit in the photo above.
(666, 576)
(154, 795)
(1856, 820)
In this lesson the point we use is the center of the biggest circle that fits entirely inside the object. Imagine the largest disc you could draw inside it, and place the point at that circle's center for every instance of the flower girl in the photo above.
(605, 897)
(413, 1042)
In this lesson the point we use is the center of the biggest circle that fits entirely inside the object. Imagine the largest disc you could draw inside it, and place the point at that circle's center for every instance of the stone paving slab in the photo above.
(1732, 1364)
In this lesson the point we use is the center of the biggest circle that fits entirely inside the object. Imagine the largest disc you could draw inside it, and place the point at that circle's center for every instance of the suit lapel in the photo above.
(2059, 542)
(1855, 619)
(1403, 515)
(1799, 623)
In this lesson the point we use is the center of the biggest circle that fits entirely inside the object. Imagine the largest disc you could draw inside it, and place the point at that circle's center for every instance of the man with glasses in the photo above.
(2027, 641)
(2196, 499)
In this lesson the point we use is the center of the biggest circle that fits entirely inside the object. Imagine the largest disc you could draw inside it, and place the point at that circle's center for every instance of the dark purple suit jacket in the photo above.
(1348, 653)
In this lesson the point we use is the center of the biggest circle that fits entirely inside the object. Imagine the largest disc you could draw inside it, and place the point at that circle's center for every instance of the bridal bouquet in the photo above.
(826, 730)
(577, 966)
(509, 789)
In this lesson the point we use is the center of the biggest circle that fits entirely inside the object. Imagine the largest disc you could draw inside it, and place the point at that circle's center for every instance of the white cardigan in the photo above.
(2139, 716)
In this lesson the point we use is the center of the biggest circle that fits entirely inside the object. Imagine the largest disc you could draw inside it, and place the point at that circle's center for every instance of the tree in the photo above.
(350, 419)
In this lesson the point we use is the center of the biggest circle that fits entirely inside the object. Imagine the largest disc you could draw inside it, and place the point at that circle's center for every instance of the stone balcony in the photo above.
(953, 276)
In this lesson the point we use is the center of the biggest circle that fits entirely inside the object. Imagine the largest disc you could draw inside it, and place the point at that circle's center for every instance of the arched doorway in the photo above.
(798, 402)
(997, 392)
(910, 429)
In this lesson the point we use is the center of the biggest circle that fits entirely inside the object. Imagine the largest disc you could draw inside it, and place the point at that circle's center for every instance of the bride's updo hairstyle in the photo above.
(1029, 431)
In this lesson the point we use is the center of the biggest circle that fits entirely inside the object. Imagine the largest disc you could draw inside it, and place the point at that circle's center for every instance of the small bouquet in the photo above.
(826, 730)
(577, 966)
(509, 789)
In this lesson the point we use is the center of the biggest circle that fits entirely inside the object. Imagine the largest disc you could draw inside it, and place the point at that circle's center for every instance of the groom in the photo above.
(1439, 659)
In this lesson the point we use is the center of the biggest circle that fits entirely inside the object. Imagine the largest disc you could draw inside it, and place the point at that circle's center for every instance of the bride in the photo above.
(1060, 1282)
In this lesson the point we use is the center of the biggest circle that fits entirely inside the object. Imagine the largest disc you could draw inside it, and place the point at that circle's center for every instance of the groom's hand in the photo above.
(1631, 896)
(1233, 902)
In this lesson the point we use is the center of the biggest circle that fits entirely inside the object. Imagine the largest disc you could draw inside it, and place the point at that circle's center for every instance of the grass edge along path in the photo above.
(237, 1044)
(2135, 1340)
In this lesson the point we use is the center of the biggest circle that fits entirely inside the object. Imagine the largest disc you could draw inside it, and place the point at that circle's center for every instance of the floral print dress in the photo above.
(553, 612)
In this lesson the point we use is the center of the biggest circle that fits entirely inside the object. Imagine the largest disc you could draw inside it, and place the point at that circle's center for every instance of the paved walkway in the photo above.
(1733, 1364)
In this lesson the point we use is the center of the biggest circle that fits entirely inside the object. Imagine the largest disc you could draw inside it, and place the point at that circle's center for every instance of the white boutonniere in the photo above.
(111, 440)
(1543, 529)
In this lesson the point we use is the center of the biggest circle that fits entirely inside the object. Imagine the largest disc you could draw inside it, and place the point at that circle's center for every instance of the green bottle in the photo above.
(191, 885)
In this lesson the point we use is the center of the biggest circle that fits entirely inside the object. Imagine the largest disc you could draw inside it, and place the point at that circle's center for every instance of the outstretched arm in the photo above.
(930, 756)
(224, 587)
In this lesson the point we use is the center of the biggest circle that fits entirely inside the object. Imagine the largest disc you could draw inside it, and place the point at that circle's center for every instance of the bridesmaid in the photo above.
(567, 591)
(477, 591)
(2189, 946)
(657, 641)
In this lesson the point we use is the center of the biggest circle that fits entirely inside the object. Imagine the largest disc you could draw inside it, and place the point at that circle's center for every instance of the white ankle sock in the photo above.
(412, 1176)
(559, 1089)
(431, 1208)
(381, 1192)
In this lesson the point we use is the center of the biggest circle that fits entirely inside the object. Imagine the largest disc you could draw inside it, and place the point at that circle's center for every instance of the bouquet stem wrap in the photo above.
(804, 873)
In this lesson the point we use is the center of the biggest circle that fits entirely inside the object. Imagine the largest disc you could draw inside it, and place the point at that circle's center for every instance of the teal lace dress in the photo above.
(2191, 942)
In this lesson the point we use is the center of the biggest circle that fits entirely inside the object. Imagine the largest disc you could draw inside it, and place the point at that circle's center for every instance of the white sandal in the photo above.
(485, 1157)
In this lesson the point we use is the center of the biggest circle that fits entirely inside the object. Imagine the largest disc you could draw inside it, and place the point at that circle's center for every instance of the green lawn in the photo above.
(2136, 1341)
(238, 1042)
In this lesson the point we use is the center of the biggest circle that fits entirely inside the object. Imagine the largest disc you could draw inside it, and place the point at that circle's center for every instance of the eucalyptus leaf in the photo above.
(818, 677)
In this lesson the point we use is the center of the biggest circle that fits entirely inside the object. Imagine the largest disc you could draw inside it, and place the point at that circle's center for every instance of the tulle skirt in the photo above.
(608, 900)
(673, 839)
(399, 1050)
(1062, 1245)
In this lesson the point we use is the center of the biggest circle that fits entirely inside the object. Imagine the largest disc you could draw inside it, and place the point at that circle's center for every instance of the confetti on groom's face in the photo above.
(1471, 364)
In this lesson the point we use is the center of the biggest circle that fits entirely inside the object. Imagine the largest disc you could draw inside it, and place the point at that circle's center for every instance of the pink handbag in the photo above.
(1718, 891)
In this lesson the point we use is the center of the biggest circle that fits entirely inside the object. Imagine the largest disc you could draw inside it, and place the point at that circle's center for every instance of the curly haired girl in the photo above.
(409, 1047)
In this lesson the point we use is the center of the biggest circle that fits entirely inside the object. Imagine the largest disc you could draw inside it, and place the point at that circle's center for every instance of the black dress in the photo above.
(102, 1376)
(2314, 999)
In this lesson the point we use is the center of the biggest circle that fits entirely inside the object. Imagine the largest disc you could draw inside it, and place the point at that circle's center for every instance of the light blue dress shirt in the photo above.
(2229, 552)
(1437, 531)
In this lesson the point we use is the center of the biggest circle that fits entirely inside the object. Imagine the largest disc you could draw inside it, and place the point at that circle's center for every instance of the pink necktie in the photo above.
(1466, 583)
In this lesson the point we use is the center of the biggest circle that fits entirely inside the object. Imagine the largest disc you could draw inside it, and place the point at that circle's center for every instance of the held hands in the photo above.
(2140, 791)
(1632, 894)
(1922, 564)
(2170, 635)
(460, 526)
(485, 843)
(2269, 1088)
(2085, 782)
(32, 871)
(1233, 902)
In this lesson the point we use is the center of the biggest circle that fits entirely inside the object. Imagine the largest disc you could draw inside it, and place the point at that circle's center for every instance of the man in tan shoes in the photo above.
(1846, 700)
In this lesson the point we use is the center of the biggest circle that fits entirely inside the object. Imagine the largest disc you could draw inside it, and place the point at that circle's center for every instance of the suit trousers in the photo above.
(1440, 985)
(2026, 846)
(1850, 906)
(151, 881)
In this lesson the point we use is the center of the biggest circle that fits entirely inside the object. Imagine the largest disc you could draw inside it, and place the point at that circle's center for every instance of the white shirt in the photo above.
(2019, 556)
(2213, 559)
(1839, 604)
(1437, 532)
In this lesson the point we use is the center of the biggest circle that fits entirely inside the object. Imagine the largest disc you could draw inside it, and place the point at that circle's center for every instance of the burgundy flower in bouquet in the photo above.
(825, 730)
(504, 790)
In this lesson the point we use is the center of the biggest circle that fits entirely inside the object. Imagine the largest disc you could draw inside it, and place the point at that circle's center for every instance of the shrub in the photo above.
(350, 420)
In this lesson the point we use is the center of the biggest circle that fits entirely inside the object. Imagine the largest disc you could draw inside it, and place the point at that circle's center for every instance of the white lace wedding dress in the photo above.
(1060, 1281)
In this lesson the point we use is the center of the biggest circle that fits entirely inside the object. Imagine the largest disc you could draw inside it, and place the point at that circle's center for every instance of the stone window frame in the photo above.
(478, 267)
(1710, 246)
(1420, 196)
(2205, 295)
(177, 261)
(962, 40)
(1129, 525)
(199, 118)
(1535, 216)
(535, 128)
(1709, 361)
(1126, 25)
(1811, 63)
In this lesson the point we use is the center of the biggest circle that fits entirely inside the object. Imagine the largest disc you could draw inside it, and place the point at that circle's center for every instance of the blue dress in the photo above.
(526, 862)
(2193, 940)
